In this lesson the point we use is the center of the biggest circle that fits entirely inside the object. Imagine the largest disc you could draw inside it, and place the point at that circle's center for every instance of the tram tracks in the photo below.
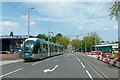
(103, 75)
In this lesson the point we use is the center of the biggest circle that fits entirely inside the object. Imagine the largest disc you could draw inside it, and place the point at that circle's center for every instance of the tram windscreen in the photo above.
(28, 46)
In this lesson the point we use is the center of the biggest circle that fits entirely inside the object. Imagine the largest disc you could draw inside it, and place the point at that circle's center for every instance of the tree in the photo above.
(52, 39)
(63, 41)
(115, 9)
(43, 36)
(57, 36)
(114, 13)
(11, 33)
(76, 43)
(90, 40)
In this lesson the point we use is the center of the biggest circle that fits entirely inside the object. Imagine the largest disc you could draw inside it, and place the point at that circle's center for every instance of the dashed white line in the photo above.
(80, 62)
(82, 65)
(78, 59)
(36, 63)
(11, 72)
(89, 74)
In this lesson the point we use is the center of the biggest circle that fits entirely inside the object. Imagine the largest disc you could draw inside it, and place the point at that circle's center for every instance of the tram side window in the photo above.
(37, 49)
(41, 47)
(51, 48)
(45, 48)
(56, 49)
(59, 49)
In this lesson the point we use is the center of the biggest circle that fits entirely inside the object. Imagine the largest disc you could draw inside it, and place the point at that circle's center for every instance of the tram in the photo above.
(35, 48)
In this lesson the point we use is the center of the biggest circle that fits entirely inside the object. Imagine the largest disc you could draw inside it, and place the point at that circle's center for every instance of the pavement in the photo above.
(68, 65)
(5, 62)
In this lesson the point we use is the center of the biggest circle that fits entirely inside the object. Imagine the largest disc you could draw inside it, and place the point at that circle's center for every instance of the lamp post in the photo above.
(49, 40)
(95, 42)
(81, 42)
(29, 21)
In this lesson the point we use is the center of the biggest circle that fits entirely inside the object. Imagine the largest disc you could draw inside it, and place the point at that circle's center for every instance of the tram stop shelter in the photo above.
(7, 42)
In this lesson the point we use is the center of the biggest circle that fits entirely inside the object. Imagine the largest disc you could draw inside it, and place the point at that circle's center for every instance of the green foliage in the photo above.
(91, 40)
(114, 9)
(43, 36)
(63, 41)
(88, 41)
(57, 36)
(76, 43)
(52, 39)
(11, 33)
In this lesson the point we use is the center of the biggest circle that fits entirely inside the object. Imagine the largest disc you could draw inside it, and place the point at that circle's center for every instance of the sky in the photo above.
(68, 18)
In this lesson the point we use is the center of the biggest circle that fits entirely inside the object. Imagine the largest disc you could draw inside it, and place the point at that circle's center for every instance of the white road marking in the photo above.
(48, 70)
(80, 62)
(78, 59)
(82, 65)
(11, 72)
(89, 74)
(36, 63)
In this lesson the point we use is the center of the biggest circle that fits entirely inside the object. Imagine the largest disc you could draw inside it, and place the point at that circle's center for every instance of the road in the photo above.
(68, 65)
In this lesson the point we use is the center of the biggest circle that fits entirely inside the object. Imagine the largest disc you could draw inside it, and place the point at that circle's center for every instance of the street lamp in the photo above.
(81, 42)
(29, 21)
(95, 42)
(48, 40)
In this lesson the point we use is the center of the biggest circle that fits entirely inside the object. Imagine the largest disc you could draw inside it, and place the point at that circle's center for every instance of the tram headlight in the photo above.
(32, 46)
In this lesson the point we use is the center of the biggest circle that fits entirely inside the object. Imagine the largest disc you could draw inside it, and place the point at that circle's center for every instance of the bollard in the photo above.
(114, 63)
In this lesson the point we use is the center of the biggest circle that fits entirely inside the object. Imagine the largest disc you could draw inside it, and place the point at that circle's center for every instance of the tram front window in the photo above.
(28, 46)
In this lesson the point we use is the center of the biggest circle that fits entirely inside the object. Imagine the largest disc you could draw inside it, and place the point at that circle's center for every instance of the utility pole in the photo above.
(85, 46)
(29, 21)
(81, 42)
(95, 43)
(81, 45)
(48, 43)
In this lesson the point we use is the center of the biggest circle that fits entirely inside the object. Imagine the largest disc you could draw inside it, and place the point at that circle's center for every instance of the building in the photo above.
(105, 48)
(7, 42)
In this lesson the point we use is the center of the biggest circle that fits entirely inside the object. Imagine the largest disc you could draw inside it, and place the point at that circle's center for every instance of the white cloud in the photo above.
(32, 23)
(9, 24)
(25, 18)
(56, 0)
(80, 28)
(115, 27)
(105, 28)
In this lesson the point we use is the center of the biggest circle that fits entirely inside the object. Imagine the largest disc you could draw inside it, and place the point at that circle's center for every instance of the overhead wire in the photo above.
(93, 13)
(19, 10)
(16, 8)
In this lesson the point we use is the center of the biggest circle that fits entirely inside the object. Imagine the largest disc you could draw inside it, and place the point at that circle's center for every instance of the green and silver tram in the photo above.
(35, 48)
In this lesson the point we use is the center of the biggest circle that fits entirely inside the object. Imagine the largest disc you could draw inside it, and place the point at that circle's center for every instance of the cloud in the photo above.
(80, 28)
(105, 28)
(9, 24)
(57, 0)
(25, 18)
(32, 23)
(115, 27)
(73, 15)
